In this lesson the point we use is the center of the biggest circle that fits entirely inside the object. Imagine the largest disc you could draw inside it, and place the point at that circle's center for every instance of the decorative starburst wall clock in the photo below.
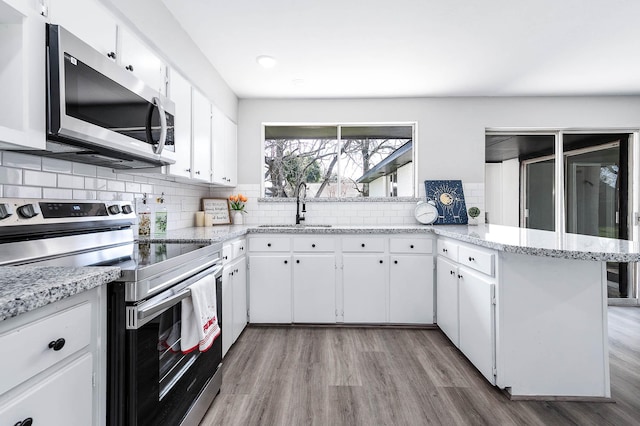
(448, 197)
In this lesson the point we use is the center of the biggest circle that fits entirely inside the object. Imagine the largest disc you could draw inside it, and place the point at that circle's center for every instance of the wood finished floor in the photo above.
(378, 376)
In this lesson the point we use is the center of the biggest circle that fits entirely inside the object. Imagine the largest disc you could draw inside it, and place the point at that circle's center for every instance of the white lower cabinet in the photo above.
(234, 292)
(62, 398)
(365, 288)
(59, 374)
(314, 289)
(239, 315)
(477, 320)
(270, 288)
(447, 298)
(411, 289)
(466, 285)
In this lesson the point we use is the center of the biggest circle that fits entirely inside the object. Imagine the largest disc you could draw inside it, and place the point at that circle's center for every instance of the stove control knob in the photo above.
(114, 209)
(126, 209)
(28, 211)
(5, 211)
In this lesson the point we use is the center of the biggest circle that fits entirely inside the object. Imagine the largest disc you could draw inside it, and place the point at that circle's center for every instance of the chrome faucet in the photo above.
(300, 217)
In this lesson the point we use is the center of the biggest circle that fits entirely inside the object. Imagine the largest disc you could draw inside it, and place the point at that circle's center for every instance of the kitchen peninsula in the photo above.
(527, 307)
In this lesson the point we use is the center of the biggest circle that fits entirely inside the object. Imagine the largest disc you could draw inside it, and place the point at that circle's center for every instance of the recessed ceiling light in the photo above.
(266, 61)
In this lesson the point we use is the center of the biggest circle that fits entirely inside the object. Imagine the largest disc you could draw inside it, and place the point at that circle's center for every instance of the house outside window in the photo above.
(339, 161)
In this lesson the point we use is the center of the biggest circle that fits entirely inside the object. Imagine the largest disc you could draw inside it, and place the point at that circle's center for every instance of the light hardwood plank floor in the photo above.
(390, 376)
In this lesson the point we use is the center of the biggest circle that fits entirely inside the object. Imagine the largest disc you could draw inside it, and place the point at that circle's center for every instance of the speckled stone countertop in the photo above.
(543, 243)
(24, 288)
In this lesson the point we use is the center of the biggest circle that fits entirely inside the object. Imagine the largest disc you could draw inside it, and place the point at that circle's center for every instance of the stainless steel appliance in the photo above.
(150, 381)
(100, 113)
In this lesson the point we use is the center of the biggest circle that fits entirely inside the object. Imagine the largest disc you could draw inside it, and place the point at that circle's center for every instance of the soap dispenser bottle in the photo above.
(144, 216)
(161, 216)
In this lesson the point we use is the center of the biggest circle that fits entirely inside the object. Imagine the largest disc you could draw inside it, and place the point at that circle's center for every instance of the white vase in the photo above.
(472, 221)
(237, 218)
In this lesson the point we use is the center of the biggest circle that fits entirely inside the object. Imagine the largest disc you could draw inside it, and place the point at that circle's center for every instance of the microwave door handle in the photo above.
(159, 146)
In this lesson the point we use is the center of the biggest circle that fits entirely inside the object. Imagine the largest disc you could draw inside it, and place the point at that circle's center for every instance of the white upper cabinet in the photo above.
(225, 154)
(180, 94)
(22, 76)
(88, 20)
(141, 61)
(201, 147)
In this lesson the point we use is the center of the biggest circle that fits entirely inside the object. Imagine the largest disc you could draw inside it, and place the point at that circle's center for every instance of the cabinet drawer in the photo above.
(448, 249)
(314, 244)
(227, 253)
(238, 248)
(411, 245)
(479, 260)
(363, 245)
(27, 348)
(270, 244)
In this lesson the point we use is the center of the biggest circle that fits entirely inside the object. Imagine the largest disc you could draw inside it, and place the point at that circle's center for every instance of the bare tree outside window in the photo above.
(364, 157)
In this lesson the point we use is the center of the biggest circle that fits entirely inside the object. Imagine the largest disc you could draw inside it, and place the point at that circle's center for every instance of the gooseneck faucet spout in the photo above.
(300, 217)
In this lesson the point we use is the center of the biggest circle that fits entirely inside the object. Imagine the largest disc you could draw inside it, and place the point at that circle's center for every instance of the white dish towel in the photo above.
(199, 317)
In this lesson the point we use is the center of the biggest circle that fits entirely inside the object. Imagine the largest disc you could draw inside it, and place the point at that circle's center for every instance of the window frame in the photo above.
(339, 125)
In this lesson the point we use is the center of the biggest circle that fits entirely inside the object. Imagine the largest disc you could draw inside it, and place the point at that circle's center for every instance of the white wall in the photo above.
(451, 131)
(153, 22)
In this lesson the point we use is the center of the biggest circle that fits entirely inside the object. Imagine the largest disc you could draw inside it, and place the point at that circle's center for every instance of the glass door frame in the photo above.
(560, 210)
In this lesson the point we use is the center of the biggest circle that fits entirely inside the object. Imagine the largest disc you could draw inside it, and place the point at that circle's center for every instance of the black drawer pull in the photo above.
(56, 345)
(268, 244)
(411, 245)
(313, 245)
(362, 244)
(395, 261)
(298, 261)
(444, 250)
(286, 261)
(451, 273)
(130, 68)
(460, 276)
(381, 261)
(471, 259)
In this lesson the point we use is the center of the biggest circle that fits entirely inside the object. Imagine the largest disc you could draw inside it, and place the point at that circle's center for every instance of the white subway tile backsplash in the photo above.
(36, 178)
(113, 185)
(10, 175)
(81, 194)
(84, 169)
(57, 193)
(70, 181)
(11, 191)
(23, 161)
(55, 165)
(95, 183)
(132, 187)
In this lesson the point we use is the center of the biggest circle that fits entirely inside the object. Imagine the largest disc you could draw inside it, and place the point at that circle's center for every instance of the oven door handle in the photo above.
(166, 303)
(150, 311)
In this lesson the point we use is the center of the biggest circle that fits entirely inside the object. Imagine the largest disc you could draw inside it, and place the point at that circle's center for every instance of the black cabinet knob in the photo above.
(459, 276)
(444, 250)
(111, 55)
(395, 261)
(268, 244)
(313, 245)
(298, 261)
(362, 244)
(129, 67)
(56, 345)
(286, 261)
(471, 259)
(451, 273)
(381, 261)
(236, 271)
(411, 246)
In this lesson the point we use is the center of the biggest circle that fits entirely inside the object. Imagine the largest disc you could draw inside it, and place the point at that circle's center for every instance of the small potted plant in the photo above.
(473, 212)
(236, 203)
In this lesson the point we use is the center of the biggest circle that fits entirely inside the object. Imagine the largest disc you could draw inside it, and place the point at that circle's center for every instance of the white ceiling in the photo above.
(417, 48)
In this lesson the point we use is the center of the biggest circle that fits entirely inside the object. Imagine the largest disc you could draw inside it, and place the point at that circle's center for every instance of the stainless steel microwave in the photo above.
(101, 113)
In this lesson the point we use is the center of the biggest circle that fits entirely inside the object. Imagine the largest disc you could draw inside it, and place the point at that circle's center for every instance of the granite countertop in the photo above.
(24, 288)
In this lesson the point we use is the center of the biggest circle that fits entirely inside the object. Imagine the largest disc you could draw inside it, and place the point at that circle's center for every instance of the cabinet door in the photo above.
(227, 308)
(88, 20)
(142, 61)
(231, 153)
(180, 94)
(411, 289)
(364, 281)
(62, 398)
(447, 298)
(201, 137)
(239, 297)
(270, 289)
(314, 288)
(477, 321)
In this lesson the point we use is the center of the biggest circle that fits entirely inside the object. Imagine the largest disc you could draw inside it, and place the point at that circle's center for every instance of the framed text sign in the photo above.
(217, 209)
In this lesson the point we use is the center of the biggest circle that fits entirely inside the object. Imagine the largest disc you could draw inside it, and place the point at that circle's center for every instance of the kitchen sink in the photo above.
(279, 225)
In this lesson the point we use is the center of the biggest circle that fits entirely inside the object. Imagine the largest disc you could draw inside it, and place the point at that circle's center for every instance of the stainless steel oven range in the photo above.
(150, 380)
